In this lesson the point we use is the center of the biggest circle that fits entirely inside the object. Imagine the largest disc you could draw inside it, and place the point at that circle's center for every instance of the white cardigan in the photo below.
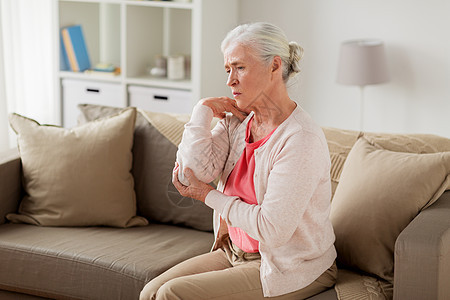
(292, 186)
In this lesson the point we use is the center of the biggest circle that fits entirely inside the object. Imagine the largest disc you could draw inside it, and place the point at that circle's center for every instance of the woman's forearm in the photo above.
(202, 150)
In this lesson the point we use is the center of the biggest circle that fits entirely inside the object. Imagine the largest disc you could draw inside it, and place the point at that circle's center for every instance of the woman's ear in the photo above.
(276, 64)
(276, 67)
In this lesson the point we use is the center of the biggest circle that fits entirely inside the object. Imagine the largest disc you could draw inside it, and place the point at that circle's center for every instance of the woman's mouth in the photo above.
(235, 94)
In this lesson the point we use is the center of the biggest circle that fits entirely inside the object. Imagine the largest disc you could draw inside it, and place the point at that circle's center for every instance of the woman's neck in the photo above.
(272, 111)
(269, 112)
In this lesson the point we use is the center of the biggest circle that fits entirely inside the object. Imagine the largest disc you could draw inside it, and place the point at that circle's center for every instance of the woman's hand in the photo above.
(196, 190)
(221, 105)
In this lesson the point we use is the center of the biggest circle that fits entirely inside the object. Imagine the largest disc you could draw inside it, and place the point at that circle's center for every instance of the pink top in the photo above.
(240, 183)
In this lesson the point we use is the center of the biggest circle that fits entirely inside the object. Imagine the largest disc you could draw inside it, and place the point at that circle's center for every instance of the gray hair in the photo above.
(268, 41)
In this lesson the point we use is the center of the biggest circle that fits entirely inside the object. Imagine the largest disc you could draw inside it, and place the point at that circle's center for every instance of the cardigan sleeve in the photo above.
(201, 149)
(297, 171)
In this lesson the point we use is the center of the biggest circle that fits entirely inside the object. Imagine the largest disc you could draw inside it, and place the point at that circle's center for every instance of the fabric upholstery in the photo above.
(341, 141)
(10, 185)
(329, 294)
(422, 260)
(352, 285)
(8, 295)
(379, 193)
(156, 138)
(92, 262)
(413, 143)
(78, 177)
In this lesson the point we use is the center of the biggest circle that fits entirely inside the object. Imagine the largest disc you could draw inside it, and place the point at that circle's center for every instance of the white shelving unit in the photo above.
(131, 33)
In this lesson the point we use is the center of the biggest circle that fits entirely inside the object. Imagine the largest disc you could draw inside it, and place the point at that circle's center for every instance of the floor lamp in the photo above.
(362, 63)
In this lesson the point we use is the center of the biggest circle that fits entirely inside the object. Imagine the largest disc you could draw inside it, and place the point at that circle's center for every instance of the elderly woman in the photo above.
(273, 236)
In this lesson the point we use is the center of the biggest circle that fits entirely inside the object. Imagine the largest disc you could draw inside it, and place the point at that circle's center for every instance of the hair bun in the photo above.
(296, 54)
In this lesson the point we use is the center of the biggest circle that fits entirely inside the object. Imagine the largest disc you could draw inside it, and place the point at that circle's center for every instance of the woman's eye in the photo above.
(240, 68)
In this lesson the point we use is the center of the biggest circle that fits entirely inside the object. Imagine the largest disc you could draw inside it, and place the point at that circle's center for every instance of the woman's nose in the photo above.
(231, 79)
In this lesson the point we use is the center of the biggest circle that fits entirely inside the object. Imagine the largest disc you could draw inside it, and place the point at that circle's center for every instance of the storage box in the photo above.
(92, 92)
(160, 100)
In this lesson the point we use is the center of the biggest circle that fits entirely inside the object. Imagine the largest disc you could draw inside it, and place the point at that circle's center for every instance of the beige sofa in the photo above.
(106, 262)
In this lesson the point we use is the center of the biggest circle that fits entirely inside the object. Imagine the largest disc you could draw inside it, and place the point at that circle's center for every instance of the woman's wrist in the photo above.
(205, 193)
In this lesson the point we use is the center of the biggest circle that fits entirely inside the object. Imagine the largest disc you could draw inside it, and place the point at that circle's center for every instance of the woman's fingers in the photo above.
(196, 190)
(221, 105)
(234, 109)
(238, 114)
(175, 180)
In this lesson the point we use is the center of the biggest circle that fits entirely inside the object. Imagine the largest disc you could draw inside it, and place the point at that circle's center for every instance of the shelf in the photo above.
(84, 76)
(167, 32)
(131, 34)
(94, 1)
(101, 25)
(164, 4)
(185, 84)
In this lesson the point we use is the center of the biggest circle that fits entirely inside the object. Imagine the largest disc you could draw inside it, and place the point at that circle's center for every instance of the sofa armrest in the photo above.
(422, 254)
(10, 182)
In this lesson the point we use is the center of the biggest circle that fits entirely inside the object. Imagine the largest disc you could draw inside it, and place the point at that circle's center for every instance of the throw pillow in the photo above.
(341, 141)
(77, 177)
(156, 139)
(379, 193)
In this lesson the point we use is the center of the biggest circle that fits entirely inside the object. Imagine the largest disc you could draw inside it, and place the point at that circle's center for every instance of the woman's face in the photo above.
(248, 76)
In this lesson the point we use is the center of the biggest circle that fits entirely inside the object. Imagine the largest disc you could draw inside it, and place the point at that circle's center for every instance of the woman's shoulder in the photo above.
(300, 122)
(302, 128)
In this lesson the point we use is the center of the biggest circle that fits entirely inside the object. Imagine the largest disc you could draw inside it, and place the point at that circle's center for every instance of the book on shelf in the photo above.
(63, 60)
(74, 48)
(105, 70)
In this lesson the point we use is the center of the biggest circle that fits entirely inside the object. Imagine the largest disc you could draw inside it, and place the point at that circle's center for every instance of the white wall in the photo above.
(417, 38)
(4, 139)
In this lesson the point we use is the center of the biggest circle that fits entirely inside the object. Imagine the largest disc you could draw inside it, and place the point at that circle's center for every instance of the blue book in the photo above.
(63, 59)
(75, 48)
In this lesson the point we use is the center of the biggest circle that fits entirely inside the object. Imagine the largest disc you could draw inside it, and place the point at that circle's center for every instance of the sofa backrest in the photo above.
(10, 182)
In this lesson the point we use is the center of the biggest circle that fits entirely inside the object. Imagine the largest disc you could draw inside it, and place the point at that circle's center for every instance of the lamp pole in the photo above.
(361, 107)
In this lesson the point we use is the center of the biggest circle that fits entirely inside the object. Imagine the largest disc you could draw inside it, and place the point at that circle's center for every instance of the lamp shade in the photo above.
(362, 62)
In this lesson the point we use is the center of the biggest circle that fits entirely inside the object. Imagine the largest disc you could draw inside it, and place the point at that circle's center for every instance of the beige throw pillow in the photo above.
(77, 177)
(379, 193)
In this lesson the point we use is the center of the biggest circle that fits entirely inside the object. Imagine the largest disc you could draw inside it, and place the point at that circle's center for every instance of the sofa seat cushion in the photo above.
(8, 295)
(92, 262)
